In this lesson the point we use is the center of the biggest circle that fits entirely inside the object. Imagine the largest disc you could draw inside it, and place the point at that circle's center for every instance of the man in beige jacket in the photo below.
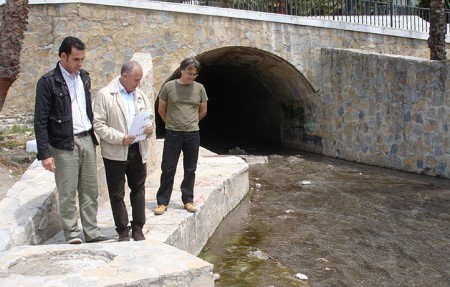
(115, 107)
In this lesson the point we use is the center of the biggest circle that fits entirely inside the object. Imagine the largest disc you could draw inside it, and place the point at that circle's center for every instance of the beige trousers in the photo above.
(76, 174)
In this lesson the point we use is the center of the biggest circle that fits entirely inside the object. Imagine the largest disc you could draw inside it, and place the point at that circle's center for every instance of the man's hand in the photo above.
(127, 139)
(148, 129)
(49, 164)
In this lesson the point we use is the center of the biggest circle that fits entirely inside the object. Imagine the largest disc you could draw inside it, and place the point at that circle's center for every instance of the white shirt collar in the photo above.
(65, 73)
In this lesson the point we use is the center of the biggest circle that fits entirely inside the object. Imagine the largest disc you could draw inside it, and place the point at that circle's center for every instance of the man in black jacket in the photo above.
(66, 141)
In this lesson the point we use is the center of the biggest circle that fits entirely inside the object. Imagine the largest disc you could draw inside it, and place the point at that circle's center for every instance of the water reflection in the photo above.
(354, 225)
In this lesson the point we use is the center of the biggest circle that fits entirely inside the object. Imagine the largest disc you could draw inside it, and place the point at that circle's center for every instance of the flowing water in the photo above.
(337, 223)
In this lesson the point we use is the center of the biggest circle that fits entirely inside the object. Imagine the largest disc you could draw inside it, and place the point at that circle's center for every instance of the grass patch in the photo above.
(15, 138)
(11, 145)
(21, 129)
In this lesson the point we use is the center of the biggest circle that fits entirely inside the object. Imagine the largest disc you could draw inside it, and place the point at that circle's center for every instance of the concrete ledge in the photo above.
(144, 263)
(29, 211)
(221, 183)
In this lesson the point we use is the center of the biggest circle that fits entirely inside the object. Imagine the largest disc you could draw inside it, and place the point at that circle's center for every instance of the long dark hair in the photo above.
(190, 62)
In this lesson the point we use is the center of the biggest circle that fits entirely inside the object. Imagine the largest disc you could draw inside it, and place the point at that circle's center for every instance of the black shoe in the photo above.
(100, 239)
(124, 235)
(137, 234)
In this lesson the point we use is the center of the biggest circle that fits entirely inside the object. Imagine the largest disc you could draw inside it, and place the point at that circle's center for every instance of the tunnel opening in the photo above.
(251, 96)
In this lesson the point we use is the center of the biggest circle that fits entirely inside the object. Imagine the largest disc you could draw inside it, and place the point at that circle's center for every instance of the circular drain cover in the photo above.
(60, 262)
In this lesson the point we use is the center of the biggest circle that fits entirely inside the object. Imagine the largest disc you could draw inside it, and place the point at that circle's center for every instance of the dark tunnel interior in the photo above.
(247, 90)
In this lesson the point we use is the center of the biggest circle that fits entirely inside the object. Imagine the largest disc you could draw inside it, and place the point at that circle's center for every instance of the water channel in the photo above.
(336, 222)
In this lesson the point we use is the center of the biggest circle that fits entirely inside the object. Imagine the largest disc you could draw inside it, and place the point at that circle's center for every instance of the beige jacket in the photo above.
(110, 121)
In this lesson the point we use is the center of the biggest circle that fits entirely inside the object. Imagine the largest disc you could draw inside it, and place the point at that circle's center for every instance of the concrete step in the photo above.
(166, 258)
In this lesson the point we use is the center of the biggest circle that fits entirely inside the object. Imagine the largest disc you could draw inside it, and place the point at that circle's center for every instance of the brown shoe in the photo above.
(137, 234)
(190, 206)
(124, 234)
(160, 209)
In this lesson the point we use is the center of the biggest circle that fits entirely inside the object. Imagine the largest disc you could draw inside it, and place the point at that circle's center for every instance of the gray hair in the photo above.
(128, 67)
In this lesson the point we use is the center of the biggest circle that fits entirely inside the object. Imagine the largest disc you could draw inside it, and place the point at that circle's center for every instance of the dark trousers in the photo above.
(136, 173)
(174, 143)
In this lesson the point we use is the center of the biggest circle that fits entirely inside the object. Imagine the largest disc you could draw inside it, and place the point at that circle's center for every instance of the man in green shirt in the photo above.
(182, 104)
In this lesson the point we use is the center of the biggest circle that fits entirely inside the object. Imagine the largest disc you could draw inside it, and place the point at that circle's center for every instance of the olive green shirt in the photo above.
(183, 103)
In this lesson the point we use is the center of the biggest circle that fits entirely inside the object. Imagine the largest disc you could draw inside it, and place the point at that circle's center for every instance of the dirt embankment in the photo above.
(14, 159)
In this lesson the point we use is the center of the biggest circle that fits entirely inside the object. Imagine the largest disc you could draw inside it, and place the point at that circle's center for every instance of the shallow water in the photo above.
(353, 225)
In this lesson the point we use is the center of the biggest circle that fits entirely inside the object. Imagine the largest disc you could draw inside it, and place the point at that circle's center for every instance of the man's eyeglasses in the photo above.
(191, 74)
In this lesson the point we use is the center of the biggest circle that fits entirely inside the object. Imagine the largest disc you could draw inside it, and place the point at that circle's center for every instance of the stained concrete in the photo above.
(166, 258)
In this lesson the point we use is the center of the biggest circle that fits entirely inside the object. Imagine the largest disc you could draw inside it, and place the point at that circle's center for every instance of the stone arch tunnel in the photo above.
(249, 92)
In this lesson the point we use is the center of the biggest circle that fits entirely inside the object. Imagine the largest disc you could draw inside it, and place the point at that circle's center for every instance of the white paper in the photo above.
(139, 123)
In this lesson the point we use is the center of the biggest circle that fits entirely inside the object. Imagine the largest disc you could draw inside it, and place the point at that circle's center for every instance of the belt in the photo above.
(82, 134)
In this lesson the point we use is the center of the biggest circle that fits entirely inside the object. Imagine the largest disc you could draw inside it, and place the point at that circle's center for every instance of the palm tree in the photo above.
(436, 41)
(14, 23)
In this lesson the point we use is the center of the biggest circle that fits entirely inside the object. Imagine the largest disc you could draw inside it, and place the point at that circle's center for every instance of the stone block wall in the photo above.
(370, 108)
(388, 111)
(113, 34)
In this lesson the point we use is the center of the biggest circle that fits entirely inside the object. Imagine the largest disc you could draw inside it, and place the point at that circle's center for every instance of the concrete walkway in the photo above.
(166, 258)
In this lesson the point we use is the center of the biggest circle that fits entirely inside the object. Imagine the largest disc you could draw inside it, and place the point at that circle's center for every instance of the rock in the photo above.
(237, 151)
(301, 276)
(31, 146)
(251, 159)
(260, 254)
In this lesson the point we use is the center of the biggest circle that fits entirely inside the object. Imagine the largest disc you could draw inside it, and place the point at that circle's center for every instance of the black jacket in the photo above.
(53, 123)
